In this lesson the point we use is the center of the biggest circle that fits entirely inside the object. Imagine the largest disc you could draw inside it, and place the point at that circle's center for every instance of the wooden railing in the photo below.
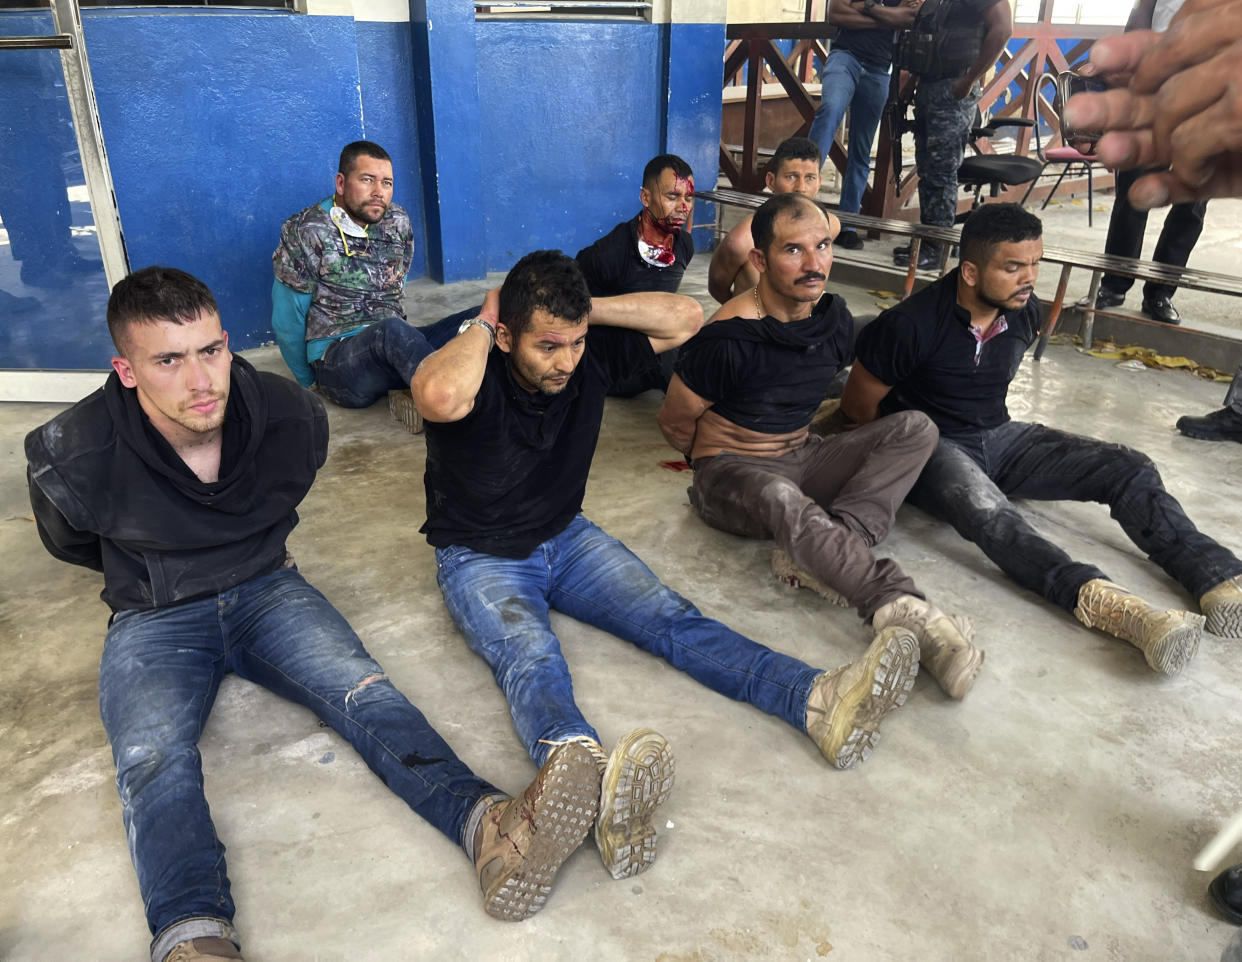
(753, 57)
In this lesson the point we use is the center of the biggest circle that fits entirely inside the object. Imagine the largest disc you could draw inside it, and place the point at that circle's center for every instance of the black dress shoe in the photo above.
(1222, 425)
(929, 257)
(1161, 309)
(1226, 892)
(1103, 300)
(852, 242)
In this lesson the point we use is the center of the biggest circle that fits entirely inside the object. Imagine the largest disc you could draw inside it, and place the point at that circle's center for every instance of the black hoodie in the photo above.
(110, 493)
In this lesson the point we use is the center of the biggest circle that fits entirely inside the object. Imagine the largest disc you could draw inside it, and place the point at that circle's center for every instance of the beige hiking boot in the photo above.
(1223, 608)
(944, 641)
(846, 705)
(522, 842)
(207, 949)
(784, 568)
(1167, 639)
(401, 407)
(634, 780)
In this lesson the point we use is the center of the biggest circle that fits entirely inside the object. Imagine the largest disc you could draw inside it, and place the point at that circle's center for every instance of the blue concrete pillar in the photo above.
(446, 97)
(694, 57)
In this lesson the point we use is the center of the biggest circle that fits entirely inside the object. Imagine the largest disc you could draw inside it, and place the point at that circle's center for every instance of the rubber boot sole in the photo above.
(637, 780)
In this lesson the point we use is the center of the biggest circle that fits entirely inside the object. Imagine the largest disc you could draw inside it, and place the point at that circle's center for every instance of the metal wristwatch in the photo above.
(479, 322)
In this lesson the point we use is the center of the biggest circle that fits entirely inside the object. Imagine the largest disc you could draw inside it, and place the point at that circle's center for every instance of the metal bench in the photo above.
(1098, 263)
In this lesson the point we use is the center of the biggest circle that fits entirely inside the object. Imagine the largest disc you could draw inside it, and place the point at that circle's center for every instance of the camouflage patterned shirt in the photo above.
(351, 287)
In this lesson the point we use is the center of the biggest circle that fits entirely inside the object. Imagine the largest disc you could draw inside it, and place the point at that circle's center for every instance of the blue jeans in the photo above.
(847, 83)
(358, 370)
(501, 605)
(969, 480)
(158, 678)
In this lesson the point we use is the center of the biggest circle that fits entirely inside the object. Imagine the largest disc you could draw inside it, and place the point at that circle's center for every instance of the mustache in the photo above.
(812, 276)
(1024, 290)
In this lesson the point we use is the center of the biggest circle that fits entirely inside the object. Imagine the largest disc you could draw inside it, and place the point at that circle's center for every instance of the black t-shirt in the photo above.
(512, 473)
(766, 375)
(924, 349)
(612, 265)
(873, 48)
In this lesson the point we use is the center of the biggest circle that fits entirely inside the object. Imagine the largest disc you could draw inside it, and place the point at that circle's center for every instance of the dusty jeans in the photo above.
(826, 504)
(969, 481)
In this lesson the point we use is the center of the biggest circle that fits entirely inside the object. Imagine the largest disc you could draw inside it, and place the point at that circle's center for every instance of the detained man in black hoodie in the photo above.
(178, 480)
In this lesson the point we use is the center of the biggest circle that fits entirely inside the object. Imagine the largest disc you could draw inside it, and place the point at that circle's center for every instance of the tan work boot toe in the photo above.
(1168, 639)
(785, 570)
(944, 641)
(204, 949)
(638, 779)
(522, 842)
(846, 705)
(1223, 608)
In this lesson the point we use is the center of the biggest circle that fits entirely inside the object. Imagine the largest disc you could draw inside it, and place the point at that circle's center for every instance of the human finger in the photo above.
(1123, 150)
(1195, 36)
(1203, 144)
(1110, 110)
(1159, 190)
(1120, 54)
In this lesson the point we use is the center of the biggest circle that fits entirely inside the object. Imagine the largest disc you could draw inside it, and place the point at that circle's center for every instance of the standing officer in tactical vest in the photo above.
(951, 45)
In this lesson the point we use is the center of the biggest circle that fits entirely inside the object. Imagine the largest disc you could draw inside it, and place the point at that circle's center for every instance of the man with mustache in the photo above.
(649, 252)
(179, 481)
(739, 405)
(336, 301)
(951, 351)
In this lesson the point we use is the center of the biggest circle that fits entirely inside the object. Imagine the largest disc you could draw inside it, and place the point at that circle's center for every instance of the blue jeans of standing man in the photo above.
(848, 83)
(501, 605)
(158, 678)
(969, 480)
(358, 370)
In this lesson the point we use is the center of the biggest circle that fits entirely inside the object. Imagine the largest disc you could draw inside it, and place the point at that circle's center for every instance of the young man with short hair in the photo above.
(739, 406)
(794, 169)
(951, 351)
(179, 480)
(511, 433)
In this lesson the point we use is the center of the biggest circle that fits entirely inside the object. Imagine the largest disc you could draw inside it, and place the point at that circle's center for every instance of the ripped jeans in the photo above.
(158, 678)
(501, 606)
(969, 480)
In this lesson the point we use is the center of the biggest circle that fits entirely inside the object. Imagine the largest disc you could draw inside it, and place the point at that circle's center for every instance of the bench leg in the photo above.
(915, 244)
(1055, 314)
(1088, 322)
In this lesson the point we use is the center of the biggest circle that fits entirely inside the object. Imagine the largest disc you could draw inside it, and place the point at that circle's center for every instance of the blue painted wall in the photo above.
(570, 114)
(219, 127)
(386, 73)
(220, 124)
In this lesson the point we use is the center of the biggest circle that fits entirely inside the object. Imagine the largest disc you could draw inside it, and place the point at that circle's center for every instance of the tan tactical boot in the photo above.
(1223, 607)
(204, 950)
(401, 407)
(784, 568)
(846, 705)
(1168, 639)
(637, 779)
(944, 641)
(634, 780)
(522, 842)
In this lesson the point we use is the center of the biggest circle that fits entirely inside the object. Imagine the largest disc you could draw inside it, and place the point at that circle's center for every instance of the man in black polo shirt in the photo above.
(649, 252)
(951, 351)
(741, 400)
(510, 438)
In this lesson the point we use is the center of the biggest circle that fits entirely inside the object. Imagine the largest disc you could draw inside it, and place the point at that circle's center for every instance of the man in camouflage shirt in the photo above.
(340, 274)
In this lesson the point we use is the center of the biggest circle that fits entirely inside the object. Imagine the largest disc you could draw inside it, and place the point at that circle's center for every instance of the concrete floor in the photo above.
(1052, 815)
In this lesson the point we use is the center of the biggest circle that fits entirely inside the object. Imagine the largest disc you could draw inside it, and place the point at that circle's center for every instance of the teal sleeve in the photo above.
(289, 325)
